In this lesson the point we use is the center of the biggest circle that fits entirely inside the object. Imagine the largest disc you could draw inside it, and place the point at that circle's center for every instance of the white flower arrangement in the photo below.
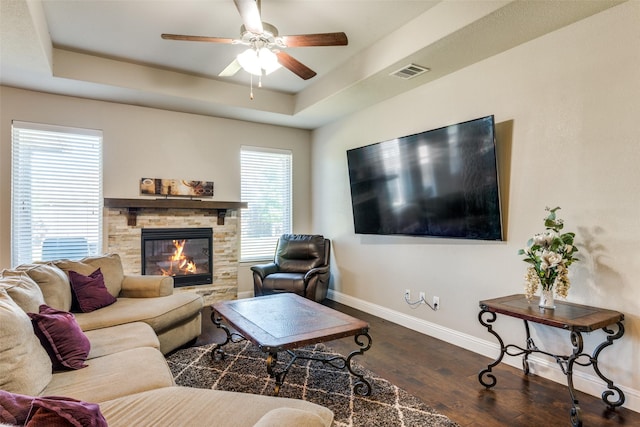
(550, 254)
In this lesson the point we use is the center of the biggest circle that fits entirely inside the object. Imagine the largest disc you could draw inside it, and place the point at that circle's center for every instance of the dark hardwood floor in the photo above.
(446, 377)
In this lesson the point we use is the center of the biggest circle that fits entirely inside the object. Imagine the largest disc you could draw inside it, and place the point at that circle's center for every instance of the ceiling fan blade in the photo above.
(295, 66)
(231, 69)
(323, 39)
(196, 38)
(250, 14)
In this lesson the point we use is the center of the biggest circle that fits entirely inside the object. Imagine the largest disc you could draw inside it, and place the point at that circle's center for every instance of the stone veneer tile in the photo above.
(125, 241)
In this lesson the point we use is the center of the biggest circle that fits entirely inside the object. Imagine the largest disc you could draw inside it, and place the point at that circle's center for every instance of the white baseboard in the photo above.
(586, 383)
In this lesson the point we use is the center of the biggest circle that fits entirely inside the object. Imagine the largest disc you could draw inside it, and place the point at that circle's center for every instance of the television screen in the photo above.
(441, 183)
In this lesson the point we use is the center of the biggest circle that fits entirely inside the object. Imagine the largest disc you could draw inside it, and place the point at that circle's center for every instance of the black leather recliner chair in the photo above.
(301, 266)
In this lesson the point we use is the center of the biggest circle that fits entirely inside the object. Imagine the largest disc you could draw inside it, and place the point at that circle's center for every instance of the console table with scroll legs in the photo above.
(573, 317)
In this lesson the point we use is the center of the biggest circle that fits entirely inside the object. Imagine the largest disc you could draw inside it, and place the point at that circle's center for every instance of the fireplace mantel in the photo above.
(134, 205)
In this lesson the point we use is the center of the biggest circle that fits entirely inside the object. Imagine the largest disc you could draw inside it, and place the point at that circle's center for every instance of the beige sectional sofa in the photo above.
(126, 373)
(150, 299)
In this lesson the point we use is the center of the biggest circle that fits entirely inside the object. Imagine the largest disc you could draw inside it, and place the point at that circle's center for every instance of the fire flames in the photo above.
(180, 263)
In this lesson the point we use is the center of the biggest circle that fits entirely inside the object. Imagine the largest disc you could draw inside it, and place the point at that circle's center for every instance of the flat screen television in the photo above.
(439, 183)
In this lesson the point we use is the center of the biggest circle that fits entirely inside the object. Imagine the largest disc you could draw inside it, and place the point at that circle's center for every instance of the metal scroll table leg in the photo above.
(607, 394)
(361, 386)
(531, 347)
(575, 358)
(278, 376)
(218, 352)
(577, 343)
(488, 323)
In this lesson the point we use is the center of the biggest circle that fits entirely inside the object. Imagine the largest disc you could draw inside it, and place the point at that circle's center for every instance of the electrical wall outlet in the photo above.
(423, 298)
(407, 294)
(436, 303)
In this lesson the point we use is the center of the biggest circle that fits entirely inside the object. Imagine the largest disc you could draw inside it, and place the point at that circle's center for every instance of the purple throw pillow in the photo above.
(14, 408)
(50, 411)
(89, 292)
(62, 337)
(63, 411)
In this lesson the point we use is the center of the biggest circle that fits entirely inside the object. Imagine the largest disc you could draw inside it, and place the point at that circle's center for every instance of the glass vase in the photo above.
(546, 299)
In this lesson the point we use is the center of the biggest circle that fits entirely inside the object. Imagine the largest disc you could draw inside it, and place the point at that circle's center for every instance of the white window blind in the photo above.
(56, 192)
(266, 186)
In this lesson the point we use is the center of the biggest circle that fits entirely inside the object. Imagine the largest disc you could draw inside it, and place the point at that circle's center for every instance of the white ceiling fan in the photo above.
(264, 52)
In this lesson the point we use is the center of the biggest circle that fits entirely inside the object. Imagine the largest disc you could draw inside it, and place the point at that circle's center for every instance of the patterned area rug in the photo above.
(244, 370)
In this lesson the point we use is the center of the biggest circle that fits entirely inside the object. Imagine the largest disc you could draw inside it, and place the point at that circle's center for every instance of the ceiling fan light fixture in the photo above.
(250, 62)
(265, 53)
(255, 61)
(268, 60)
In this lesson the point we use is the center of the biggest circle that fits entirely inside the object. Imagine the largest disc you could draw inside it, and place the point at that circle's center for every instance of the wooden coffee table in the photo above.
(285, 322)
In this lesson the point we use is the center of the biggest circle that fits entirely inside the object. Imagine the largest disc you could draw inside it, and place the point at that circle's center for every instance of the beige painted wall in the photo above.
(572, 100)
(146, 142)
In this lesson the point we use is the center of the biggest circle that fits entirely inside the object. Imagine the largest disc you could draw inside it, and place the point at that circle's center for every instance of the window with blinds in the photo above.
(266, 186)
(56, 192)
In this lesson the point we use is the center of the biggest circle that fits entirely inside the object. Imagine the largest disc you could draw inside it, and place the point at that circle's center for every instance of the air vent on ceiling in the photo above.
(409, 71)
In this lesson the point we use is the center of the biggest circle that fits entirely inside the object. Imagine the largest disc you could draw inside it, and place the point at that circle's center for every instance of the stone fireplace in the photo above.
(126, 218)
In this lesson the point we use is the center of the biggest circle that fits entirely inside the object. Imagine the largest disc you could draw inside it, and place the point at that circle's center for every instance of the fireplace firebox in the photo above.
(184, 253)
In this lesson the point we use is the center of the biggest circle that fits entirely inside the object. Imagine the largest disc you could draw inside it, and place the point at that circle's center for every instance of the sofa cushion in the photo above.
(121, 337)
(160, 313)
(25, 367)
(181, 333)
(290, 417)
(285, 282)
(110, 265)
(61, 337)
(184, 406)
(89, 292)
(22, 289)
(50, 411)
(113, 375)
(53, 283)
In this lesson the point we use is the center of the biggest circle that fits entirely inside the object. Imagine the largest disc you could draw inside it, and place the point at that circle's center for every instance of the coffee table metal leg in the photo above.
(278, 376)
(218, 353)
(361, 385)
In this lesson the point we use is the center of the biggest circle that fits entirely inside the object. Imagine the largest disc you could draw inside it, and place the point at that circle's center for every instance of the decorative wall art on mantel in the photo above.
(175, 187)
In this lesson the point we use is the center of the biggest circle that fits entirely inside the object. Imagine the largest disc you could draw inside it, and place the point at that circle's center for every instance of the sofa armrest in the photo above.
(139, 286)
(263, 270)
